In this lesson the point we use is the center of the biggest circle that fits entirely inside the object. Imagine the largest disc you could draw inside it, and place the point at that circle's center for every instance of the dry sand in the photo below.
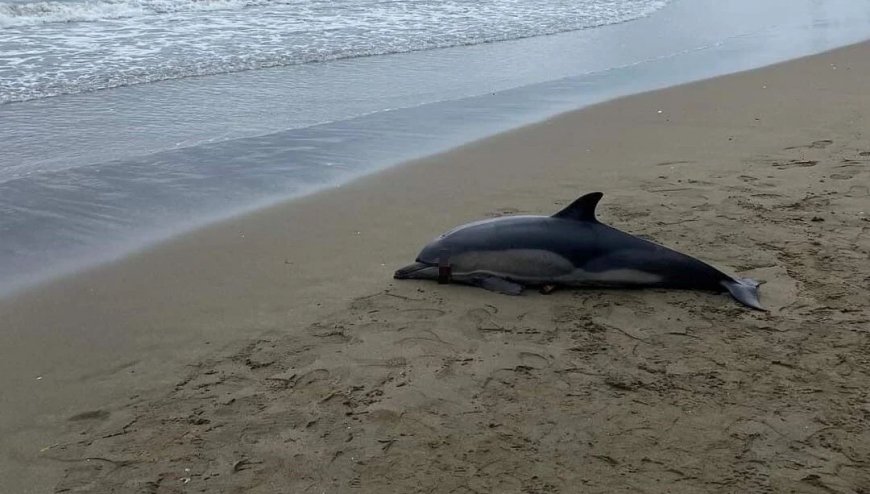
(324, 375)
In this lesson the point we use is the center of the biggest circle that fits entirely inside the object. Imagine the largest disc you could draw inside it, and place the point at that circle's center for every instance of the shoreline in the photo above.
(328, 256)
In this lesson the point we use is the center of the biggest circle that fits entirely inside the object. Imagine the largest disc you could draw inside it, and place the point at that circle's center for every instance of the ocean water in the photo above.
(70, 46)
(124, 122)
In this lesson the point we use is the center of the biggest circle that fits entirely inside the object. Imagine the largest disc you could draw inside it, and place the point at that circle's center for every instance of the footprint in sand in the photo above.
(480, 316)
(422, 314)
(795, 164)
(820, 144)
(533, 360)
(311, 377)
(90, 415)
(858, 191)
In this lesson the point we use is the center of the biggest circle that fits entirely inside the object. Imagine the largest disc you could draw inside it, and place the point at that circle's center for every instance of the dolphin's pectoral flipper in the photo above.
(745, 291)
(496, 284)
(548, 289)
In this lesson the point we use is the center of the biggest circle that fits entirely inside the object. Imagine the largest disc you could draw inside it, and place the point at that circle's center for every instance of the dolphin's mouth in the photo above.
(412, 271)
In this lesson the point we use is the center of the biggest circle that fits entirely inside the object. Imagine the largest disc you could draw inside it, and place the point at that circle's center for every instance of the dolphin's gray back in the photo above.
(570, 239)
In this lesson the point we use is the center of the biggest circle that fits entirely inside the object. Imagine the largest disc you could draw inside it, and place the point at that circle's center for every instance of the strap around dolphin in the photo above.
(582, 209)
(445, 271)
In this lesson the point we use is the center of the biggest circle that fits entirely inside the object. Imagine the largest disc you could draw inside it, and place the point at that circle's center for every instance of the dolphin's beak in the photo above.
(418, 270)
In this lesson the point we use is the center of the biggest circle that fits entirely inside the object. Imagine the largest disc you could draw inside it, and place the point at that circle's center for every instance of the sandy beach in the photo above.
(273, 352)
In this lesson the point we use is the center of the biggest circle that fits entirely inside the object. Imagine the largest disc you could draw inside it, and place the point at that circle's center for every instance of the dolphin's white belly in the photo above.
(515, 264)
(537, 266)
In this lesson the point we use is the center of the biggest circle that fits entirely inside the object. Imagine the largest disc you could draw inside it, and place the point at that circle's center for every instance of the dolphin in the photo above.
(570, 248)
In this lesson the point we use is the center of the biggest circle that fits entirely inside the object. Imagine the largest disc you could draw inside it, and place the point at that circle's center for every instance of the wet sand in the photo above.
(274, 353)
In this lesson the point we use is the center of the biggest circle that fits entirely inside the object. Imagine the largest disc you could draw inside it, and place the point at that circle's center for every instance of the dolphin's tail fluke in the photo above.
(745, 290)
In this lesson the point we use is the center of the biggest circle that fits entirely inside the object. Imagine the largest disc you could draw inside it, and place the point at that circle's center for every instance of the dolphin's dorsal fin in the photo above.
(583, 209)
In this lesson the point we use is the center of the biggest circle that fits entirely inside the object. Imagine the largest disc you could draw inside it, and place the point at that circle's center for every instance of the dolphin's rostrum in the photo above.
(570, 248)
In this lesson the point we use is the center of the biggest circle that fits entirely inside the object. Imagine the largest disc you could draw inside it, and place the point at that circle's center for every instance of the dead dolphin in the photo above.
(570, 248)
